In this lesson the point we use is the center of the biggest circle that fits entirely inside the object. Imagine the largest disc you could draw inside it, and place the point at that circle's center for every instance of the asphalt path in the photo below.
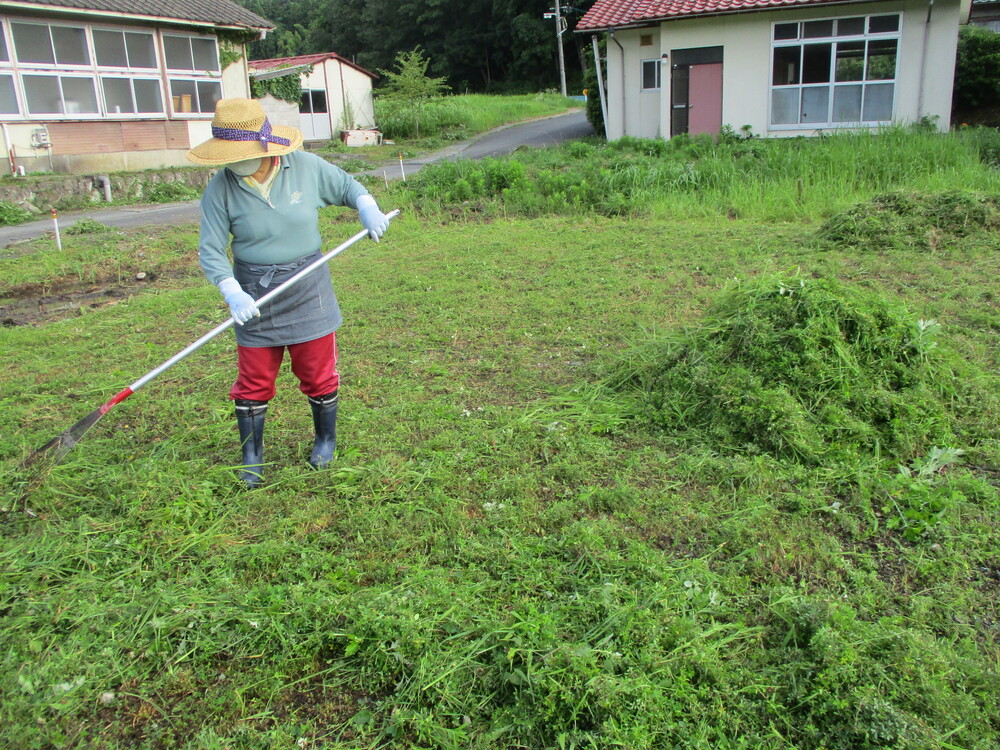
(547, 131)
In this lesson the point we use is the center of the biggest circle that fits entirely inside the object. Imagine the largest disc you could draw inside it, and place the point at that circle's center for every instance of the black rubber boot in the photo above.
(324, 409)
(250, 418)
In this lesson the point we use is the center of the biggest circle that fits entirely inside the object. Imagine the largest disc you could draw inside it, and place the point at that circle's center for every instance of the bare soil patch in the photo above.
(37, 304)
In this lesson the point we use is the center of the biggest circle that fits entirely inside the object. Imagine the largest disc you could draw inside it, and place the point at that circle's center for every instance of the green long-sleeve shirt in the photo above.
(276, 230)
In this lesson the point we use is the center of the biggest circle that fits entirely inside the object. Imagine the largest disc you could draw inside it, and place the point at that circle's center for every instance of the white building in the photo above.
(781, 67)
(103, 85)
(336, 93)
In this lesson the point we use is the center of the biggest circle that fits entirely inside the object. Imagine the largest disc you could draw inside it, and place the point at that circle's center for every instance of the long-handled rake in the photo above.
(38, 463)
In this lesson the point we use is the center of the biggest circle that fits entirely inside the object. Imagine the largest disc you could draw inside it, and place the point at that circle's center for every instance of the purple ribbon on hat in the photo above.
(264, 136)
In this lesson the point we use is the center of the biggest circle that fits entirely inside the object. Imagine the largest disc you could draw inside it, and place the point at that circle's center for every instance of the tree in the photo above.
(977, 76)
(409, 82)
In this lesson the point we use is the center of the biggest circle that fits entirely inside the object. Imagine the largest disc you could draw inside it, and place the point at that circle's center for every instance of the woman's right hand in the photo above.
(241, 305)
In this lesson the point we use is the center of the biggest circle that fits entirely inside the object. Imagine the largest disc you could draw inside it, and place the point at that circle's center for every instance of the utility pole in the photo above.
(561, 26)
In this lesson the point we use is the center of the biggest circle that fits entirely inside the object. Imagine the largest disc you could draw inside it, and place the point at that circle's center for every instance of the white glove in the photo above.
(371, 217)
(241, 305)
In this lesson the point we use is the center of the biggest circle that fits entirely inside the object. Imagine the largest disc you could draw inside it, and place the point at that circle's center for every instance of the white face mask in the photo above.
(244, 168)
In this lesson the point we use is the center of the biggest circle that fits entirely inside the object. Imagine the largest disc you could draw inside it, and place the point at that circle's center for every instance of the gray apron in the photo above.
(306, 311)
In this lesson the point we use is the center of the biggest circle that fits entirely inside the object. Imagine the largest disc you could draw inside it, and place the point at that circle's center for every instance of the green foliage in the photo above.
(479, 46)
(409, 83)
(920, 496)
(977, 70)
(13, 214)
(738, 176)
(287, 88)
(87, 225)
(229, 54)
(595, 115)
(807, 370)
(464, 116)
(168, 192)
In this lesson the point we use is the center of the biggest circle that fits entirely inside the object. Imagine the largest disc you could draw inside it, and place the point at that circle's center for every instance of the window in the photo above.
(60, 95)
(191, 53)
(831, 72)
(194, 96)
(132, 96)
(650, 75)
(47, 44)
(645, 40)
(313, 101)
(190, 60)
(124, 49)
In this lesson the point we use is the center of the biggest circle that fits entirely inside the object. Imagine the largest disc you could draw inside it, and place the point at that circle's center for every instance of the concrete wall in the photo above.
(925, 66)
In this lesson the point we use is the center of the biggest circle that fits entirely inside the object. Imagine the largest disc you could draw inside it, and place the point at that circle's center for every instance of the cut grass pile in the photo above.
(907, 220)
(804, 369)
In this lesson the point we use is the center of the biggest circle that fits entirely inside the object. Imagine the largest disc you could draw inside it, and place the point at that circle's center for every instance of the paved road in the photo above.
(544, 132)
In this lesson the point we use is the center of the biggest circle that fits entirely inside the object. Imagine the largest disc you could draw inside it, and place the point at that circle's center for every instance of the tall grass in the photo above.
(457, 117)
(779, 179)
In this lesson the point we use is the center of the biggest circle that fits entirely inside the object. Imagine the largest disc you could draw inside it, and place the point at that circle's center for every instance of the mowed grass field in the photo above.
(511, 549)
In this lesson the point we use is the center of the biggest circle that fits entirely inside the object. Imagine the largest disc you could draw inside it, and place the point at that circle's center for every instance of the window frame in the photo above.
(832, 42)
(190, 75)
(657, 65)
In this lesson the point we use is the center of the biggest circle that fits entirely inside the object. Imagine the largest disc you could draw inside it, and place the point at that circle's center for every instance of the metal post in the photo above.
(562, 63)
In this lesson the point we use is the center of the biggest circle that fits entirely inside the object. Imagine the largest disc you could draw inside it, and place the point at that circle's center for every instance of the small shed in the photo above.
(336, 93)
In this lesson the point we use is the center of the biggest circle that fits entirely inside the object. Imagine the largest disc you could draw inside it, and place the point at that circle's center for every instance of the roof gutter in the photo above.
(923, 59)
(36, 7)
(611, 36)
(265, 75)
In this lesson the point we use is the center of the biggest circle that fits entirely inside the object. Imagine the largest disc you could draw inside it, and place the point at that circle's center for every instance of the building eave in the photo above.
(36, 8)
(657, 20)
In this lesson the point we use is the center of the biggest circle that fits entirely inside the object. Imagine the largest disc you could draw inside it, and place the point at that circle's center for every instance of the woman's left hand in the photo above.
(372, 217)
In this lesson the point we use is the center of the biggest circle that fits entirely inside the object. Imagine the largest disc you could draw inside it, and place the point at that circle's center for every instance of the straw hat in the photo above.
(241, 131)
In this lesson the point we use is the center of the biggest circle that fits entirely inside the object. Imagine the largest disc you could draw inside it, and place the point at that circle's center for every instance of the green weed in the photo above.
(11, 214)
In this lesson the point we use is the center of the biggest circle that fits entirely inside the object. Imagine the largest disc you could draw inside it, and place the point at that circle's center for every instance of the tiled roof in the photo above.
(606, 14)
(216, 12)
(288, 62)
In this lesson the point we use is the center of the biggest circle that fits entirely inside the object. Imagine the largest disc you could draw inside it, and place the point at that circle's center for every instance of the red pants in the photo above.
(313, 362)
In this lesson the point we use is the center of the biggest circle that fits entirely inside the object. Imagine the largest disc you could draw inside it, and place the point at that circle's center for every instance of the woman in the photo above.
(267, 200)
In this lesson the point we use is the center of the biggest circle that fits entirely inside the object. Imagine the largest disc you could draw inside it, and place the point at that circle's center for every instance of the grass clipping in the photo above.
(907, 220)
(809, 370)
